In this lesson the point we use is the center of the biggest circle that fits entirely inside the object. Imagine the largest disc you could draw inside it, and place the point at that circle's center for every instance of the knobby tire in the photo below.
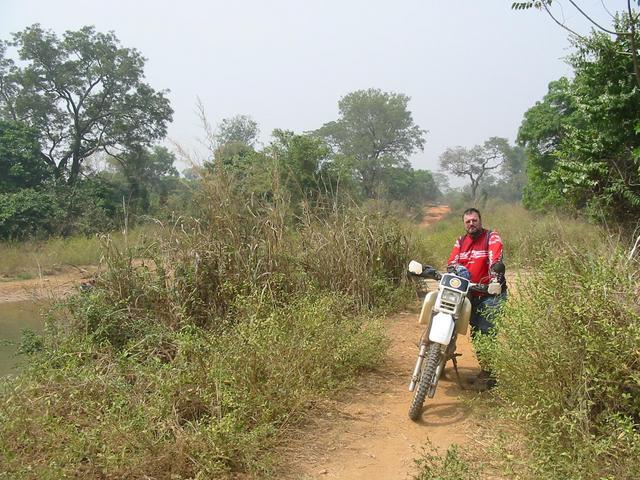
(426, 379)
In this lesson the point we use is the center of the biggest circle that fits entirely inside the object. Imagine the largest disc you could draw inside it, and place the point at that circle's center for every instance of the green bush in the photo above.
(568, 364)
(187, 402)
(27, 213)
(452, 466)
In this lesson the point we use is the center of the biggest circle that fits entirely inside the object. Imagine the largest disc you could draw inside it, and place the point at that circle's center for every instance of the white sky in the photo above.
(471, 67)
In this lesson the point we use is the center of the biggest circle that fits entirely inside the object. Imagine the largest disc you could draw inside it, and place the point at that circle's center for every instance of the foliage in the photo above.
(542, 133)
(177, 403)
(20, 163)
(82, 93)
(145, 172)
(415, 187)
(27, 213)
(451, 466)
(567, 361)
(299, 159)
(582, 138)
(193, 362)
(238, 129)
(376, 130)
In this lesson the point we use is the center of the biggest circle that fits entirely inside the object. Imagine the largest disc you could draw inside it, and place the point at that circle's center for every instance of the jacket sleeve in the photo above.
(495, 248)
(454, 257)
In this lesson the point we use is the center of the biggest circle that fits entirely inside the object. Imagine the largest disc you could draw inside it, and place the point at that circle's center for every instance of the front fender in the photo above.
(441, 330)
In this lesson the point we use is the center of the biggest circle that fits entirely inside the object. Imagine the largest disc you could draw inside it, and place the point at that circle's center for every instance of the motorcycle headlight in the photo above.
(450, 296)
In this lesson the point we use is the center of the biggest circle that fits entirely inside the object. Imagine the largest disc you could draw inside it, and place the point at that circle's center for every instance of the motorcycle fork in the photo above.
(418, 368)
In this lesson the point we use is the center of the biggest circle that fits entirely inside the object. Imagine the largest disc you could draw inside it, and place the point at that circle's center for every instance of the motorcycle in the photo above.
(445, 314)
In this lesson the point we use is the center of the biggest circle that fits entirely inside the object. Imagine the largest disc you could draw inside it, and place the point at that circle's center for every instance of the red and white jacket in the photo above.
(477, 254)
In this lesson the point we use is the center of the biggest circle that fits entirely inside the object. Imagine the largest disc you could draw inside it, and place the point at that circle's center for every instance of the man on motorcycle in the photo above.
(478, 251)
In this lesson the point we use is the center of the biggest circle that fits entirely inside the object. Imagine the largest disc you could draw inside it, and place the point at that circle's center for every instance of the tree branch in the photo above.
(544, 5)
(594, 22)
(634, 50)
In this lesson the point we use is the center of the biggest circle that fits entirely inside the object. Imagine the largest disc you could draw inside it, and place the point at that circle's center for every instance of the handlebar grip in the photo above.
(480, 288)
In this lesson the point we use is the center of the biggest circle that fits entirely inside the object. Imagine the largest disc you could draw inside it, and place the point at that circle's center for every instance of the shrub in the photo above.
(27, 213)
(567, 363)
(452, 466)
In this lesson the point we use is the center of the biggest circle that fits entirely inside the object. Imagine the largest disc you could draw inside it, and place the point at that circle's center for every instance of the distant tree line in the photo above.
(79, 133)
(361, 156)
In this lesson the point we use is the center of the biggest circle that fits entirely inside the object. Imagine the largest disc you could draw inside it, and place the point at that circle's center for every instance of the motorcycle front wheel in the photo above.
(427, 381)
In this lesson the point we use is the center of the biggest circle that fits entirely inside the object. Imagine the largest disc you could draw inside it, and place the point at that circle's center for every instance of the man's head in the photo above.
(472, 221)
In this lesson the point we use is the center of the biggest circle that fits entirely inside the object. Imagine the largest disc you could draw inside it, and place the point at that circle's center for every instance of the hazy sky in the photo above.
(471, 67)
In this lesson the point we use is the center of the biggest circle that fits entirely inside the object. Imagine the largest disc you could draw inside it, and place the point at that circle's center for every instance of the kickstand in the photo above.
(454, 359)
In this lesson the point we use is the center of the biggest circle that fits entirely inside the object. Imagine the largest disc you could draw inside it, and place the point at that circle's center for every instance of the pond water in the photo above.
(14, 318)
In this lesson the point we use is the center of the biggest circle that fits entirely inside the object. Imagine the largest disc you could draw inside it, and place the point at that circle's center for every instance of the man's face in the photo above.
(472, 223)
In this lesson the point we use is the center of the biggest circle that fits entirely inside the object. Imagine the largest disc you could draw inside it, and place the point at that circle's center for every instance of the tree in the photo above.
(592, 162)
(477, 162)
(412, 187)
(541, 133)
(299, 158)
(238, 129)
(377, 131)
(146, 171)
(20, 163)
(83, 93)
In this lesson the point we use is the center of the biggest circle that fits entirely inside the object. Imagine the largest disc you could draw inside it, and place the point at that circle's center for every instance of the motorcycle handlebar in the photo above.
(427, 272)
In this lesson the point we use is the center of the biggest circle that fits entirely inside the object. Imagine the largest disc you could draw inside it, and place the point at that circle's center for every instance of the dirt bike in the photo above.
(446, 314)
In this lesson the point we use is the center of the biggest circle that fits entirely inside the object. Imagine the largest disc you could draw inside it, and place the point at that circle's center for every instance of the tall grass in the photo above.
(32, 259)
(195, 361)
(527, 237)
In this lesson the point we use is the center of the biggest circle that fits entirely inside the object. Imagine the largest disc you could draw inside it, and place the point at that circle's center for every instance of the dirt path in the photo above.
(367, 433)
(434, 213)
(48, 286)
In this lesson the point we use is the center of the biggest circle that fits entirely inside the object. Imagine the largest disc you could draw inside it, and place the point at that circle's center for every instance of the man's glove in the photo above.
(494, 288)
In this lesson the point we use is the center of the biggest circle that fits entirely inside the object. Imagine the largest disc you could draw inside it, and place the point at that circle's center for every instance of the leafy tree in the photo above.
(593, 159)
(238, 129)
(21, 165)
(477, 162)
(146, 171)
(541, 133)
(28, 213)
(377, 131)
(299, 158)
(412, 187)
(83, 93)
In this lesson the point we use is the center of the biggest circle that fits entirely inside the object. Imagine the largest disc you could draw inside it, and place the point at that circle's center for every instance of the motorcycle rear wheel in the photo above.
(427, 381)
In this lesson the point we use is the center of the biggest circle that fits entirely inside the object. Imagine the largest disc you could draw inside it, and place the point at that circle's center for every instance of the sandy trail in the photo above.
(368, 435)
(47, 286)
